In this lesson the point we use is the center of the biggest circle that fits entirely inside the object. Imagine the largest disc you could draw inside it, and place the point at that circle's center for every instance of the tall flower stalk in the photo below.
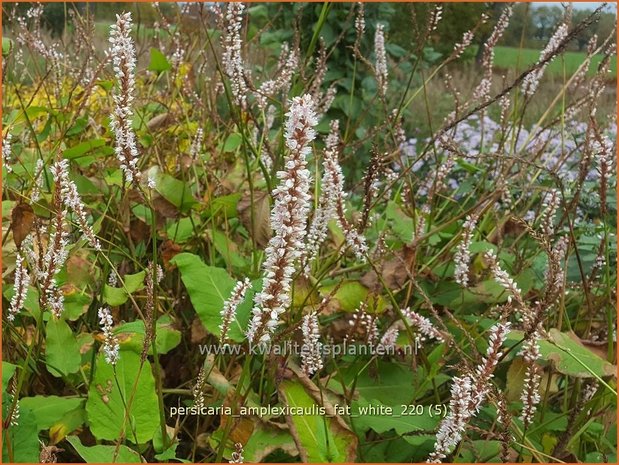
(6, 152)
(232, 58)
(123, 55)
(532, 379)
(228, 312)
(71, 199)
(332, 204)
(532, 80)
(54, 257)
(310, 354)
(288, 220)
(463, 254)
(382, 73)
(20, 287)
(467, 394)
(110, 341)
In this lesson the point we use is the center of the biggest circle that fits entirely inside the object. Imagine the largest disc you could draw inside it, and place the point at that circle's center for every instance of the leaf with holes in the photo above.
(110, 390)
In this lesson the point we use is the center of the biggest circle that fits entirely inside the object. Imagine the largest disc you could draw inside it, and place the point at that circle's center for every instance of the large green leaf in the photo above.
(264, 440)
(132, 335)
(62, 352)
(50, 409)
(401, 224)
(568, 355)
(225, 205)
(104, 454)
(208, 287)
(75, 305)
(69, 422)
(8, 370)
(389, 384)
(402, 419)
(23, 438)
(83, 148)
(106, 403)
(480, 451)
(349, 295)
(7, 46)
(158, 61)
(175, 191)
(115, 296)
(233, 141)
(319, 438)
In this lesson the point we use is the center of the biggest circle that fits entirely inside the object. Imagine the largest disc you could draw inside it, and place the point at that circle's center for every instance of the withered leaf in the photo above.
(164, 208)
(159, 121)
(139, 231)
(395, 272)
(198, 332)
(169, 250)
(261, 231)
(22, 220)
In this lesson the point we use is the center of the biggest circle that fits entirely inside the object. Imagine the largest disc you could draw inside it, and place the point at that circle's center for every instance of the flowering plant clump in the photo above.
(326, 232)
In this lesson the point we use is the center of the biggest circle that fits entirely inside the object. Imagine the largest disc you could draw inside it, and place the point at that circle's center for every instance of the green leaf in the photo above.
(208, 287)
(83, 148)
(8, 370)
(401, 224)
(177, 192)
(24, 440)
(319, 438)
(233, 141)
(69, 422)
(390, 383)
(225, 204)
(422, 445)
(80, 125)
(105, 406)
(50, 409)
(480, 451)
(228, 249)
(266, 439)
(401, 419)
(7, 46)
(134, 282)
(168, 454)
(258, 12)
(133, 336)
(396, 50)
(115, 296)
(568, 355)
(182, 230)
(75, 305)
(62, 352)
(349, 295)
(104, 454)
(158, 61)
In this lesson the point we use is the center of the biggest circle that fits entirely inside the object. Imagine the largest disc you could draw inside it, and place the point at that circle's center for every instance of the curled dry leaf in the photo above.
(22, 222)
(394, 272)
(169, 250)
(261, 210)
(159, 122)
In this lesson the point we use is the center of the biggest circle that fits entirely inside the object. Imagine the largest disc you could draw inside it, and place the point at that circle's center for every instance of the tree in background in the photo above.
(457, 19)
(520, 25)
(545, 19)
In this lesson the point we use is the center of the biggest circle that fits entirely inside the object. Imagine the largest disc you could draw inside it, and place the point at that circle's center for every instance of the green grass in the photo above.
(510, 57)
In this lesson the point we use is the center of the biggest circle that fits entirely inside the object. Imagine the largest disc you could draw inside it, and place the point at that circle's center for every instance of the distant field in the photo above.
(509, 57)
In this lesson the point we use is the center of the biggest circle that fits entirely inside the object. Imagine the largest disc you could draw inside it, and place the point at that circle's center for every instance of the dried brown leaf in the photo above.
(261, 210)
(22, 220)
